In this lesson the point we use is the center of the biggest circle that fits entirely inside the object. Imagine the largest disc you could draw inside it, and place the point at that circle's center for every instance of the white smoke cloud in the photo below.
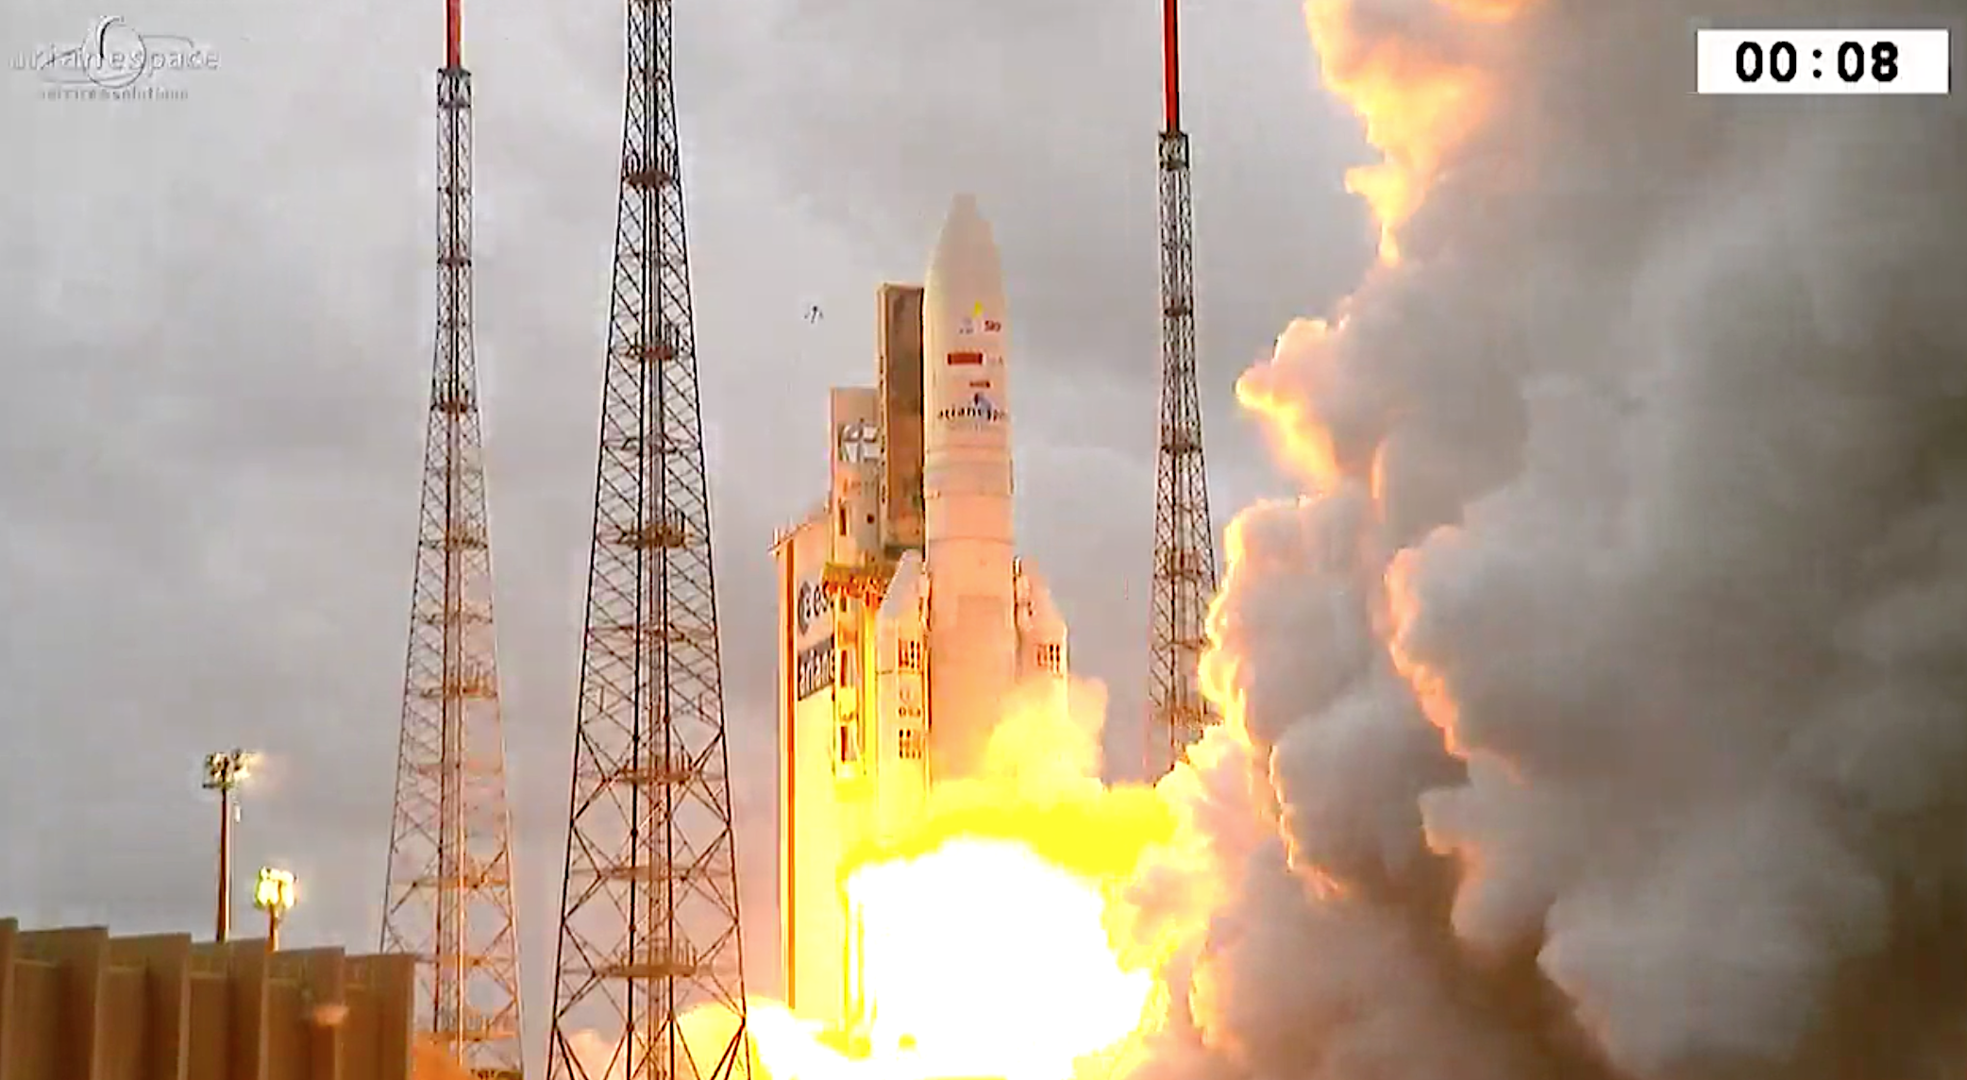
(429, 1061)
(1608, 687)
(706, 1035)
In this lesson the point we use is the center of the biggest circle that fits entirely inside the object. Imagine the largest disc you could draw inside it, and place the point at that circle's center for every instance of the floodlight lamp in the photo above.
(224, 769)
(274, 891)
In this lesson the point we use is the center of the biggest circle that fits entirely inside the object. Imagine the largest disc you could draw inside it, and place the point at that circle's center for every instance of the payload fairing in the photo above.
(905, 617)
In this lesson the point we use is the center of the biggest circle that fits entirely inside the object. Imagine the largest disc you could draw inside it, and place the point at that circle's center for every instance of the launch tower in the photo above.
(649, 904)
(448, 899)
(1184, 546)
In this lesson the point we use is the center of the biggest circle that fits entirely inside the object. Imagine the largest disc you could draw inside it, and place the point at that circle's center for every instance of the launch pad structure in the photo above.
(448, 897)
(907, 623)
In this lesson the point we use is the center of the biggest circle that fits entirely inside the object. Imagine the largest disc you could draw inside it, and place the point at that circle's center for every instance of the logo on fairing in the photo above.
(979, 409)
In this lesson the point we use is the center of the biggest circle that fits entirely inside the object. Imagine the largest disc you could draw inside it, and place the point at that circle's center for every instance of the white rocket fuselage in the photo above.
(966, 487)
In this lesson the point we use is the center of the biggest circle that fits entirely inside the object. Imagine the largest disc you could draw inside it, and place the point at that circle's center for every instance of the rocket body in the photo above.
(905, 620)
(966, 487)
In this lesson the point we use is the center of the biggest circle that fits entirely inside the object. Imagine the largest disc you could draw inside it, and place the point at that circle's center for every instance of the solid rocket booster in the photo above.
(966, 487)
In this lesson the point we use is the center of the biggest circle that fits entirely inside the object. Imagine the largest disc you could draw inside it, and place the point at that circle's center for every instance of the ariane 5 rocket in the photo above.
(966, 491)
(906, 616)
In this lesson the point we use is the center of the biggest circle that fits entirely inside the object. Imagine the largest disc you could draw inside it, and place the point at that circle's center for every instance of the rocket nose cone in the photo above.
(965, 233)
(964, 215)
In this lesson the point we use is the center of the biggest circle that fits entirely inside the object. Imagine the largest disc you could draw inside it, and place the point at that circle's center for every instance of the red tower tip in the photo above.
(454, 14)
(1171, 59)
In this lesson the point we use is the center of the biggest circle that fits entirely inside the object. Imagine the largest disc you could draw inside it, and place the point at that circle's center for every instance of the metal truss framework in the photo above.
(1184, 544)
(449, 900)
(649, 909)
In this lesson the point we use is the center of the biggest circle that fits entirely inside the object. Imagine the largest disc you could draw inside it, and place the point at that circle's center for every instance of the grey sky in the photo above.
(217, 315)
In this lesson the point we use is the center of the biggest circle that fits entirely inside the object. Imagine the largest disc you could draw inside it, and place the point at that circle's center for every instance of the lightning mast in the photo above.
(1184, 548)
(448, 900)
(649, 904)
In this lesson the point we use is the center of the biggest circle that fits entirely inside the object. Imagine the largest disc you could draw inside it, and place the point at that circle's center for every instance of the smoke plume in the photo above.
(430, 1060)
(1602, 702)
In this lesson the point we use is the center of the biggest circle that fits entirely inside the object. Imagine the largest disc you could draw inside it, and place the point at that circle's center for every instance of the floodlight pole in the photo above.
(225, 863)
(223, 772)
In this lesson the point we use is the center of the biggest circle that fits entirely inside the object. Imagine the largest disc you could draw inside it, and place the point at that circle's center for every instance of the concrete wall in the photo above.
(78, 1004)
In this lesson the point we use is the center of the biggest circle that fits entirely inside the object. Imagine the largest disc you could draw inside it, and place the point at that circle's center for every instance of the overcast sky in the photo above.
(217, 322)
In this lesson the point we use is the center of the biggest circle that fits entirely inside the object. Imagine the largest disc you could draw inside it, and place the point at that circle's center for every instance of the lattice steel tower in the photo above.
(649, 908)
(1184, 545)
(449, 893)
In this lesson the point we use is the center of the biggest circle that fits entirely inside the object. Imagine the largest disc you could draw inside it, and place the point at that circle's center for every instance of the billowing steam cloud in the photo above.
(431, 1061)
(1607, 689)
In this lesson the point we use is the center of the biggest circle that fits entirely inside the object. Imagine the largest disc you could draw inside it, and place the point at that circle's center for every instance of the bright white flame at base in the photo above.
(983, 959)
(993, 940)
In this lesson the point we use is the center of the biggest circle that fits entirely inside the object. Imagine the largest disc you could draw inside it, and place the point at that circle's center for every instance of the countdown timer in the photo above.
(1824, 61)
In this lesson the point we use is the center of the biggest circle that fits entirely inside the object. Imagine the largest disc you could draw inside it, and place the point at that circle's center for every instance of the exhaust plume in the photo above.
(1600, 708)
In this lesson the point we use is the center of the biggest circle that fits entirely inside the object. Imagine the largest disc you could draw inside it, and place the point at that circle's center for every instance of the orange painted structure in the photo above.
(78, 1004)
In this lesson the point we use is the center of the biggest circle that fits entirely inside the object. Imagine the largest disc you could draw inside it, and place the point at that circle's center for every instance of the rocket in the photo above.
(907, 619)
(966, 490)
